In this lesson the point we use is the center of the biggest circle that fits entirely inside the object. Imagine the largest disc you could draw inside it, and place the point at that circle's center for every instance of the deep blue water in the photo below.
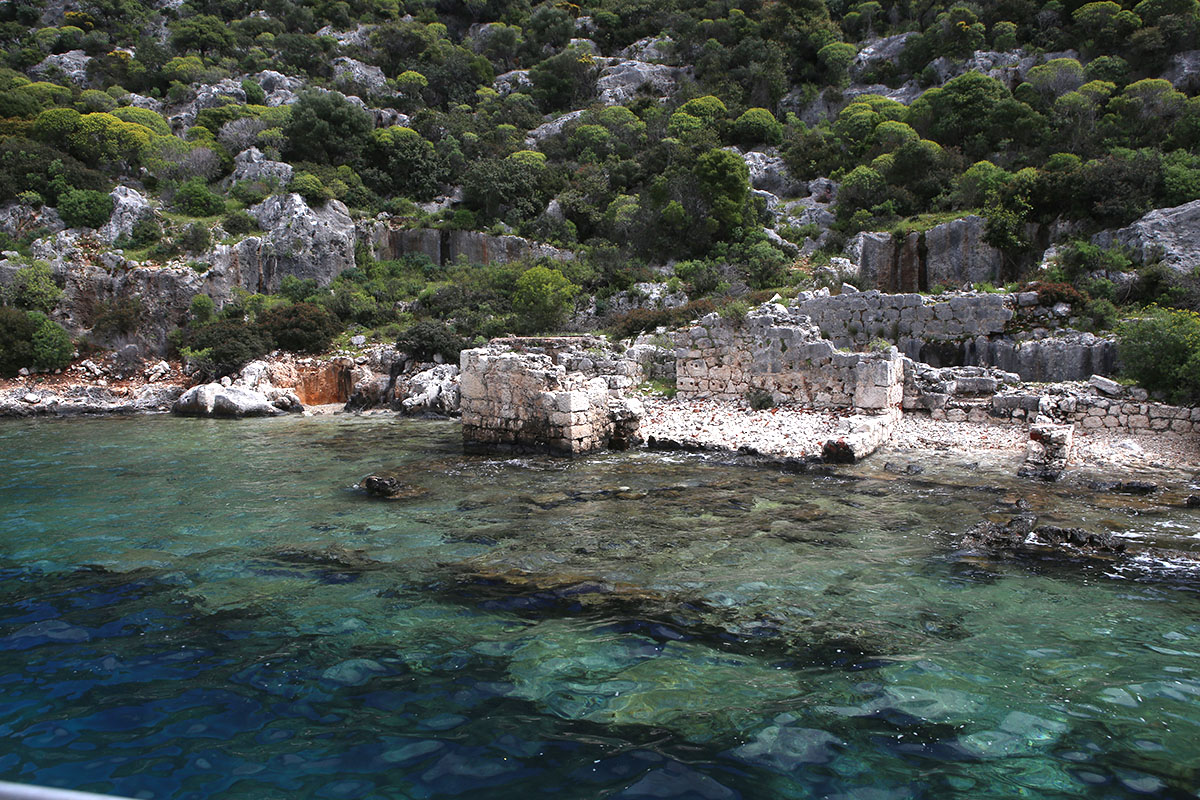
(201, 609)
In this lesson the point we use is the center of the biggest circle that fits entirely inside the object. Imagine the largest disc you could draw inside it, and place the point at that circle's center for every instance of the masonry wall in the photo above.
(514, 399)
(778, 352)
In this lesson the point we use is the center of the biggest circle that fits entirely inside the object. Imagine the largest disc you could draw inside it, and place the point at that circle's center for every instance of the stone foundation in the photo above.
(552, 395)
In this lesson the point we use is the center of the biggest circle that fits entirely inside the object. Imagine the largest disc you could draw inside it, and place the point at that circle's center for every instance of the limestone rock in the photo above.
(1184, 71)
(434, 391)
(252, 165)
(957, 254)
(360, 36)
(205, 96)
(552, 128)
(769, 173)
(281, 89)
(215, 400)
(651, 49)
(621, 82)
(516, 80)
(348, 72)
(129, 206)
(301, 241)
(829, 103)
(1171, 235)
(72, 63)
(17, 219)
(875, 52)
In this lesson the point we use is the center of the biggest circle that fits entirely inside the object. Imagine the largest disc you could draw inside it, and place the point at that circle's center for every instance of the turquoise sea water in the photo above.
(206, 609)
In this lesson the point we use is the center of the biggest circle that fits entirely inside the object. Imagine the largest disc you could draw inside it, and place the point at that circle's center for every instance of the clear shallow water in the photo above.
(196, 609)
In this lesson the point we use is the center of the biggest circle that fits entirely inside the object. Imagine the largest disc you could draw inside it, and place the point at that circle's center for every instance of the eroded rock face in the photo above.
(72, 63)
(447, 247)
(516, 80)
(1184, 71)
(950, 255)
(623, 81)
(352, 73)
(551, 128)
(281, 89)
(769, 173)
(252, 165)
(433, 391)
(1171, 235)
(129, 206)
(877, 52)
(651, 49)
(299, 240)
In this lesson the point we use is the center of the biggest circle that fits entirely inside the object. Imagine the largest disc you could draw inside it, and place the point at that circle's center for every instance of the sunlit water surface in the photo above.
(200, 609)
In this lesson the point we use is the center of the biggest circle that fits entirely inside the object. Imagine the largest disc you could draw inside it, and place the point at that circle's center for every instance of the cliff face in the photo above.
(949, 255)
(447, 247)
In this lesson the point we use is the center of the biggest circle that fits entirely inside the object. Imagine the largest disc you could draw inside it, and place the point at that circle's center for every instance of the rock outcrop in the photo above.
(252, 165)
(623, 81)
(217, 400)
(72, 64)
(129, 206)
(448, 247)
(1169, 235)
(950, 255)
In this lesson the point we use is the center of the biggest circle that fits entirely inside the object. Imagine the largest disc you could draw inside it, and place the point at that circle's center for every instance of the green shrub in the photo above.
(297, 290)
(250, 192)
(758, 126)
(33, 288)
(309, 187)
(428, 338)
(255, 95)
(642, 320)
(1160, 349)
(16, 340)
(202, 308)
(51, 344)
(300, 327)
(237, 223)
(230, 345)
(195, 238)
(145, 232)
(759, 399)
(543, 298)
(85, 208)
(1101, 314)
(194, 198)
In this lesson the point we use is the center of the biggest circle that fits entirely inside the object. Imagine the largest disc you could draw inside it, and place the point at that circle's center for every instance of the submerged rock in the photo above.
(1023, 533)
(389, 487)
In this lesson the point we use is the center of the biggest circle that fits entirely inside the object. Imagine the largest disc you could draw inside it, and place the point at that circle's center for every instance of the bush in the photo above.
(309, 187)
(16, 340)
(145, 232)
(33, 288)
(202, 308)
(196, 238)
(1051, 293)
(227, 345)
(300, 327)
(543, 298)
(85, 208)
(1161, 351)
(237, 223)
(758, 126)
(426, 339)
(642, 320)
(116, 318)
(51, 344)
(194, 198)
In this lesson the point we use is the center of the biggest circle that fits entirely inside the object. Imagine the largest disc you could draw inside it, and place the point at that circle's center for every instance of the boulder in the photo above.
(769, 173)
(252, 165)
(1169, 235)
(359, 37)
(1184, 71)
(621, 82)
(433, 391)
(17, 219)
(516, 80)
(389, 487)
(651, 49)
(876, 52)
(73, 64)
(129, 206)
(215, 400)
(957, 254)
(281, 89)
(204, 96)
(348, 72)
(551, 128)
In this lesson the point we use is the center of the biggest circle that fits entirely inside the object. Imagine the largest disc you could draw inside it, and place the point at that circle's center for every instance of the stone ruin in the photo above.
(565, 395)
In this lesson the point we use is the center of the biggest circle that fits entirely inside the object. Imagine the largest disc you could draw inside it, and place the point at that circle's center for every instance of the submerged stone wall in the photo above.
(776, 351)
(539, 395)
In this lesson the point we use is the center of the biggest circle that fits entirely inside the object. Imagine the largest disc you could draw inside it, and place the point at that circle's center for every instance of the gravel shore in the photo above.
(796, 432)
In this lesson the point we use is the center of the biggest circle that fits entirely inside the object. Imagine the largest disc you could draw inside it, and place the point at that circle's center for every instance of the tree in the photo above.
(758, 126)
(542, 299)
(725, 181)
(327, 128)
(564, 81)
(51, 345)
(203, 33)
(402, 162)
(300, 327)
(193, 197)
(836, 58)
(16, 340)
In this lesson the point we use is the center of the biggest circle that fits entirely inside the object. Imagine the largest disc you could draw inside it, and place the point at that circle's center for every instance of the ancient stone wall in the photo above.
(963, 329)
(535, 395)
(776, 351)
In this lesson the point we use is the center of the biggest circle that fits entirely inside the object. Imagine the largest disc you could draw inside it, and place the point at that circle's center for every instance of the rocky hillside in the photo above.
(458, 170)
